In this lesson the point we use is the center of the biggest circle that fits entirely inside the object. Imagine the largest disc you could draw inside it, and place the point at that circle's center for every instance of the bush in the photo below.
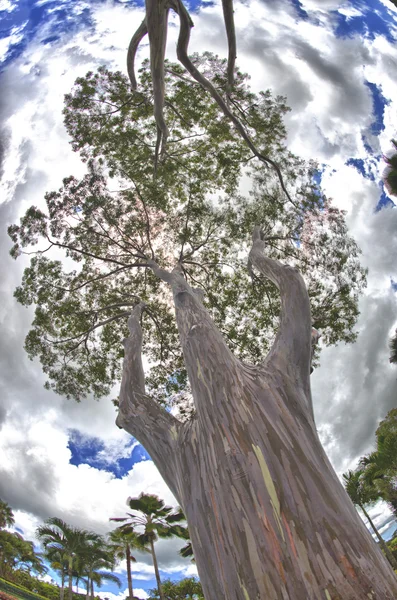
(4, 596)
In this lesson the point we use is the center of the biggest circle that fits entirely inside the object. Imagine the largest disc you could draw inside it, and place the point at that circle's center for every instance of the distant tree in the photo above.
(362, 494)
(121, 543)
(6, 515)
(186, 589)
(390, 174)
(18, 553)
(156, 519)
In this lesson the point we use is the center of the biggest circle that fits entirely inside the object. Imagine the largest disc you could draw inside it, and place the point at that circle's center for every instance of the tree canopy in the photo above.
(209, 192)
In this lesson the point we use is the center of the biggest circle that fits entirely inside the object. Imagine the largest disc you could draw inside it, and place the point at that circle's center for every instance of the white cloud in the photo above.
(8, 6)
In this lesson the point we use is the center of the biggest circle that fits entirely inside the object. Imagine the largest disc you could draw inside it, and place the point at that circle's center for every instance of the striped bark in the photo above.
(267, 515)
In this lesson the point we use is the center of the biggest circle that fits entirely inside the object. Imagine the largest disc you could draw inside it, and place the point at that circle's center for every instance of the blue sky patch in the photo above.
(384, 201)
(373, 21)
(378, 103)
(93, 451)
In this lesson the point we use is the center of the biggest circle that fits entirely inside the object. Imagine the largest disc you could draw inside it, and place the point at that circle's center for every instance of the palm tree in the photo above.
(93, 559)
(380, 467)
(122, 543)
(393, 349)
(361, 494)
(6, 515)
(390, 174)
(70, 541)
(377, 472)
(157, 519)
(58, 562)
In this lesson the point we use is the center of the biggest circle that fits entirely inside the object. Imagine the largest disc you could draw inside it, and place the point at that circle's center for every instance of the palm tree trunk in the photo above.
(70, 575)
(129, 574)
(156, 569)
(382, 542)
(62, 591)
(88, 587)
(92, 589)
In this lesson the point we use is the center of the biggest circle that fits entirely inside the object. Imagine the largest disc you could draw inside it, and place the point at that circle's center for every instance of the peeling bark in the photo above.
(267, 515)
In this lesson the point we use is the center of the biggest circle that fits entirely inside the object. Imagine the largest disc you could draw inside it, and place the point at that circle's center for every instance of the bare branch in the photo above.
(140, 415)
(228, 15)
(133, 47)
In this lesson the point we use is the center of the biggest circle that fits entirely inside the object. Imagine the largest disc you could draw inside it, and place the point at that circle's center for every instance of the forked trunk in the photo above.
(129, 574)
(267, 515)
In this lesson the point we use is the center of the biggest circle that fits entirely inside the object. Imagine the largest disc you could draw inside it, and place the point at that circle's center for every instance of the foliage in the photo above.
(16, 552)
(155, 518)
(359, 491)
(380, 467)
(16, 591)
(188, 588)
(200, 210)
(6, 515)
(80, 553)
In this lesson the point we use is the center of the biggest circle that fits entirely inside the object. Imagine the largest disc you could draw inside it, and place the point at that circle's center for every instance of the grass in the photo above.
(18, 591)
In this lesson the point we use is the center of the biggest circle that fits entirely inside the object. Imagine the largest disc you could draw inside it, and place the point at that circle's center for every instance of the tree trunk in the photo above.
(62, 591)
(88, 587)
(156, 569)
(70, 575)
(92, 589)
(382, 542)
(129, 574)
(267, 515)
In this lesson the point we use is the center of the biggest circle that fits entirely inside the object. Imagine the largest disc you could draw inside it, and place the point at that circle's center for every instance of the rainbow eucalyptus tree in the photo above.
(215, 270)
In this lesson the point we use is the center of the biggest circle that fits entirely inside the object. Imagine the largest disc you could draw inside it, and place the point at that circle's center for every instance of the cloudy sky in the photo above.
(336, 62)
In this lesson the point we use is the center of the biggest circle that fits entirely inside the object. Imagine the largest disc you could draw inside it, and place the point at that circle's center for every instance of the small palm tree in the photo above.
(58, 562)
(390, 174)
(361, 494)
(70, 541)
(122, 542)
(6, 515)
(157, 519)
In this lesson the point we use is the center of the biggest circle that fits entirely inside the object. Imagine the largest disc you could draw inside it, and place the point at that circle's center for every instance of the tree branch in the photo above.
(228, 15)
(291, 352)
(182, 53)
(132, 49)
(156, 429)
(88, 331)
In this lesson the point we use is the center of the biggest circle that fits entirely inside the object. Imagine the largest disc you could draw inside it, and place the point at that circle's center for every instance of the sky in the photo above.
(336, 64)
